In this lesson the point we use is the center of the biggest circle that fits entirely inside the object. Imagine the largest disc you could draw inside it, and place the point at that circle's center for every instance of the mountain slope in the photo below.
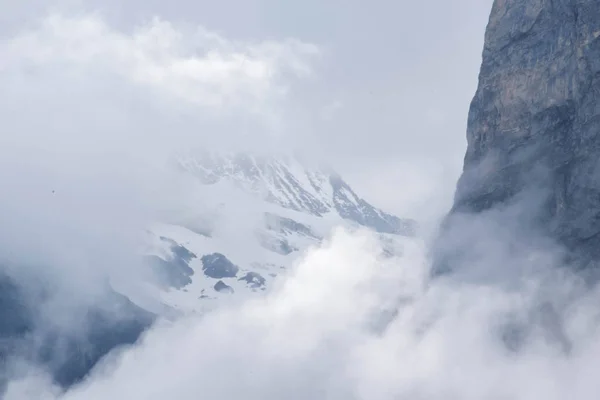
(255, 215)
(29, 332)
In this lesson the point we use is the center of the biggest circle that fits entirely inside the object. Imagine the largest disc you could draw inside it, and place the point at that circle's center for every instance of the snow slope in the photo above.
(255, 215)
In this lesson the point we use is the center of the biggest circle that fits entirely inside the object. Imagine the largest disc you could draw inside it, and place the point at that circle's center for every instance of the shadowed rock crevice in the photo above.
(218, 266)
(175, 270)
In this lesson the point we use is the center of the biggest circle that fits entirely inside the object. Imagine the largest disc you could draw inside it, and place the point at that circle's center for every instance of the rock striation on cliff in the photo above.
(534, 122)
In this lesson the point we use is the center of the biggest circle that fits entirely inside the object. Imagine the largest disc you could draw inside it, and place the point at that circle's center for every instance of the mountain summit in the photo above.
(289, 183)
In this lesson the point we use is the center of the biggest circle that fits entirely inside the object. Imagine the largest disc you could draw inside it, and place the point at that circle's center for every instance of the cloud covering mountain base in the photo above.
(348, 325)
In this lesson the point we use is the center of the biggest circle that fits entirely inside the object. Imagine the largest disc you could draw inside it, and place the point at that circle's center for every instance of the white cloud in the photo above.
(313, 337)
(91, 116)
(293, 343)
(195, 65)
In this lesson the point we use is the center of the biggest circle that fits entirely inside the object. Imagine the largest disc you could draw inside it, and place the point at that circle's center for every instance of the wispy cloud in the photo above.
(194, 65)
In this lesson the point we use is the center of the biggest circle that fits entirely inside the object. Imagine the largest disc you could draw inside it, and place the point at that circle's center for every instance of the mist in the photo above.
(330, 338)
(95, 108)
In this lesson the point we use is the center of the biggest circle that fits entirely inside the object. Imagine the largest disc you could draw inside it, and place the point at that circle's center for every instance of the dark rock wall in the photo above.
(534, 123)
(67, 353)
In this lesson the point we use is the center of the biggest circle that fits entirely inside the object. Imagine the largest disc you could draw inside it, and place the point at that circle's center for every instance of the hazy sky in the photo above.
(389, 89)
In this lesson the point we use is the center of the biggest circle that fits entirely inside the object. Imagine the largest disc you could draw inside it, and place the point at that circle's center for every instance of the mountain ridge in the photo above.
(275, 208)
(288, 182)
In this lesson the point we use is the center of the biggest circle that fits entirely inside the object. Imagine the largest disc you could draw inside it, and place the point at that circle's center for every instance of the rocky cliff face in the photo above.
(31, 330)
(534, 123)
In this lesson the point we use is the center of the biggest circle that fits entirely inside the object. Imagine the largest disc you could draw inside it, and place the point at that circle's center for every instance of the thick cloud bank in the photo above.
(326, 332)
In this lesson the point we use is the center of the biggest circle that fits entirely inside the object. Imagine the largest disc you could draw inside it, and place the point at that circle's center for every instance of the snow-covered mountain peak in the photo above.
(293, 184)
(253, 216)
(280, 180)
